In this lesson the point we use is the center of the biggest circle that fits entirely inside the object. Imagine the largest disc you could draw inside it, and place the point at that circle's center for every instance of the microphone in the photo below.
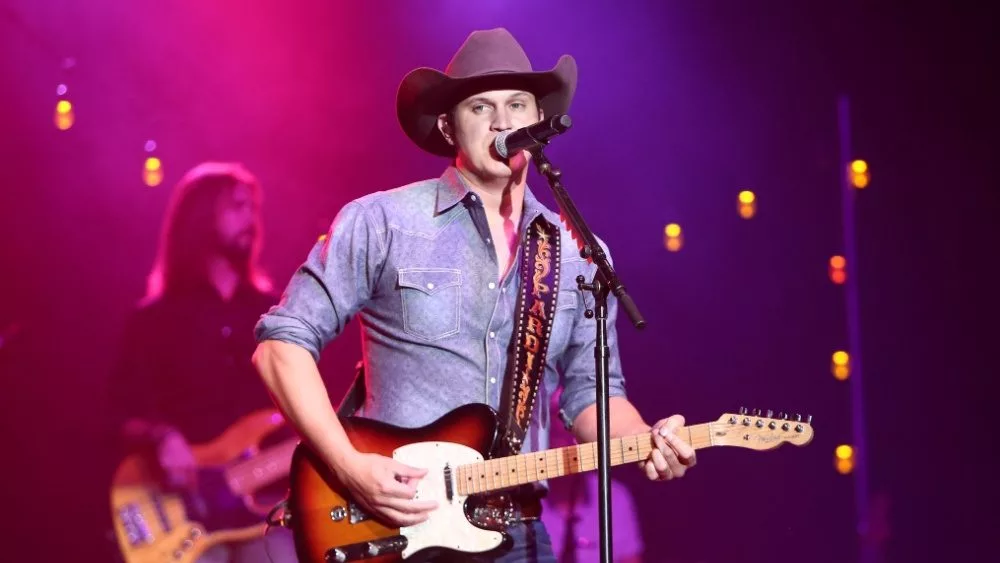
(508, 143)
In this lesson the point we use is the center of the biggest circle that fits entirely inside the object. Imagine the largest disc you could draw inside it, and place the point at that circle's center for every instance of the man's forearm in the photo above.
(623, 419)
(294, 382)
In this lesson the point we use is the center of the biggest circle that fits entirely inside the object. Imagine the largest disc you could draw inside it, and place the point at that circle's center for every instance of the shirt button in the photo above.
(488, 240)
(430, 286)
(492, 285)
(493, 334)
(472, 197)
(226, 331)
(493, 380)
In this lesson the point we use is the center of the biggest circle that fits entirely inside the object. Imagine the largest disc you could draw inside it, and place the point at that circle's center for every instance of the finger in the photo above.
(658, 425)
(673, 423)
(660, 462)
(407, 471)
(682, 450)
(396, 489)
(650, 471)
(661, 448)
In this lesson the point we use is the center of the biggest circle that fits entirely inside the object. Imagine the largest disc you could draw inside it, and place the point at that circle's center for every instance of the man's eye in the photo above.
(517, 105)
(479, 108)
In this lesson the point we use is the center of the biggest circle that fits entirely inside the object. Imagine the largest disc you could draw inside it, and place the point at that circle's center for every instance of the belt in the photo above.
(502, 510)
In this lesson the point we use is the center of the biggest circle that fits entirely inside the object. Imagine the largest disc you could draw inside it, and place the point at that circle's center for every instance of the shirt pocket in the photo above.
(567, 299)
(431, 301)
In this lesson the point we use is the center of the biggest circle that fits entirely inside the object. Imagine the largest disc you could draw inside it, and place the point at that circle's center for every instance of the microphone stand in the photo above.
(605, 281)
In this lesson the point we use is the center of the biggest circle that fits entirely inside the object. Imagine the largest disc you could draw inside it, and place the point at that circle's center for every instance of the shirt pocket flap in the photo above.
(429, 280)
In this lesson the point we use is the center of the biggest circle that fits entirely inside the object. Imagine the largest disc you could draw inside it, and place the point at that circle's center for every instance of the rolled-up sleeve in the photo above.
(336, 280)
(577, 364)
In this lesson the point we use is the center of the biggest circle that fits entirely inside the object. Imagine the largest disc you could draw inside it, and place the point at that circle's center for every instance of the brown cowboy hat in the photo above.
(488, 60)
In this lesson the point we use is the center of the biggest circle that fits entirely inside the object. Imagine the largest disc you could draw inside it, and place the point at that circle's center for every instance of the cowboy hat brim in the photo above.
(426, 93)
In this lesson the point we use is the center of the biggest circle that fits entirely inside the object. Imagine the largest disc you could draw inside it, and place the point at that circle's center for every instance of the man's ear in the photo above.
(444, 126)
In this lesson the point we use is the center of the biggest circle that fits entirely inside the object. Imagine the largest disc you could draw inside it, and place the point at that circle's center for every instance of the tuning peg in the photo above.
(798, 418)
(743, 410)
(809, 419)
(784, 416)
(756, 412)
(770, 413)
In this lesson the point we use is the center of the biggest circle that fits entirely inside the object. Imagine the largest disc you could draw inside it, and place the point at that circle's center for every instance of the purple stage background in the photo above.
(680, 106)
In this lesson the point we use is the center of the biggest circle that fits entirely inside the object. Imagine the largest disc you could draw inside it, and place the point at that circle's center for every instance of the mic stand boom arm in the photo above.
(605, 281)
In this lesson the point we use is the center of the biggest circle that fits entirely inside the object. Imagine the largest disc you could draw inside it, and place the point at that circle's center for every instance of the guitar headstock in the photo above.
(759, 431)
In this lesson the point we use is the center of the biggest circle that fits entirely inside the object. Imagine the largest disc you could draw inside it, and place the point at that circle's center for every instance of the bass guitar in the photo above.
(329, 526)
(156, 525)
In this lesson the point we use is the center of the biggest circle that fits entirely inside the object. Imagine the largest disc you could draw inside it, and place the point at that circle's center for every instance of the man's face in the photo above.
(236, 221)
(475, 123)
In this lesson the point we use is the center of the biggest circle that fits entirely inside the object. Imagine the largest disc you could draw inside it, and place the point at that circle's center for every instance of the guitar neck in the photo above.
(501, 473)
(266, 467)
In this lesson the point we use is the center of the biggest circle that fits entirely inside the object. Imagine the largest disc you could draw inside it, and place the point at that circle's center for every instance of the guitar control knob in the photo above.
(178, 554)
(373, 549)
(337, 555)
(195, 533)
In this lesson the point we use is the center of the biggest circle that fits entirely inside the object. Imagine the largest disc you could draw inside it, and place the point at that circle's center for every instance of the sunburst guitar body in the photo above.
(329, 526)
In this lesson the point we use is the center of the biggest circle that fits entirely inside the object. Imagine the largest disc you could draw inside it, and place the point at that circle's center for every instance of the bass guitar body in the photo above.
(156, 525)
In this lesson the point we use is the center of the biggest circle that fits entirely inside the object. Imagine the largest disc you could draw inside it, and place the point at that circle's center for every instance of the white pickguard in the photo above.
(447, 525)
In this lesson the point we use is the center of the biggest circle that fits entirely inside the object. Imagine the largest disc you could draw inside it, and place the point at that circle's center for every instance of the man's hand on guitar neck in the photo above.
(385, 487)
(672, 456)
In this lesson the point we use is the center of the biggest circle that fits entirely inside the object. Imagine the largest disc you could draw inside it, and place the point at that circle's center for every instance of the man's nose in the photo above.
(501, 120)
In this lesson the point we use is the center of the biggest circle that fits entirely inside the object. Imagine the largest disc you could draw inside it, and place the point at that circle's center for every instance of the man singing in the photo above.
(433, 272)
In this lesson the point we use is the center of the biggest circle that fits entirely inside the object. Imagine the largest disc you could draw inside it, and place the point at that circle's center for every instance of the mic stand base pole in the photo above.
(605, 282)
(602, 355)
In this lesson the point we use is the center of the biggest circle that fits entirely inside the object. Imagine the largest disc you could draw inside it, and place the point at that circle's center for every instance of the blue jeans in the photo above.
(531, 545)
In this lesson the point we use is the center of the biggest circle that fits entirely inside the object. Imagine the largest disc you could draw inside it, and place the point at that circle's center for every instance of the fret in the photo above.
(511, 468)
(490, 484)
(540, 469)
(497, 474)
(552, 464)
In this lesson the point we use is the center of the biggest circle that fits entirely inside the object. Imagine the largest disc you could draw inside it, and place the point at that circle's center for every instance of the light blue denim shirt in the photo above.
(417, 267)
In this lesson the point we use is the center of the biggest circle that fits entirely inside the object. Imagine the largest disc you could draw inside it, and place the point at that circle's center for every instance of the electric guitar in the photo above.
(329, 526)
(154, 525)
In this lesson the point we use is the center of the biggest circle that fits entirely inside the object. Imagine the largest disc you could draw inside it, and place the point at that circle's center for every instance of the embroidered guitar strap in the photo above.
(535, 312)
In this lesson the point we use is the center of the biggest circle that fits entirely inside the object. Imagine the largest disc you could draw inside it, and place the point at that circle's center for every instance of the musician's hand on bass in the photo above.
(177, 460)
(386, 488)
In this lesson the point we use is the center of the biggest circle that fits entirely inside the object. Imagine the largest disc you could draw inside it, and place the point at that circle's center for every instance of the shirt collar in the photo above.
(452, 189)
